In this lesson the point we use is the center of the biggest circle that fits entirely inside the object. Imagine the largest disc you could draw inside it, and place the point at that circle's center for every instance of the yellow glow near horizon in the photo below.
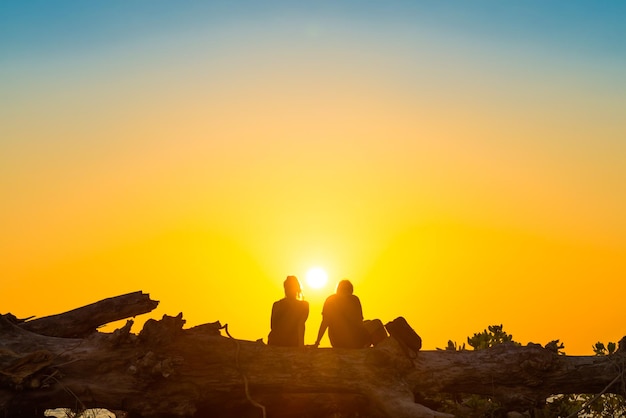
(316, 277)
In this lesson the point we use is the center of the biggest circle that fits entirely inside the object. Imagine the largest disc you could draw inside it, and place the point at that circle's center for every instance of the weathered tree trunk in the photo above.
(168, 371)
(83, 321)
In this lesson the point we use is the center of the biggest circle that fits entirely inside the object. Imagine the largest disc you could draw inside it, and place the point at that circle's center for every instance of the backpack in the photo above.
(404, 334)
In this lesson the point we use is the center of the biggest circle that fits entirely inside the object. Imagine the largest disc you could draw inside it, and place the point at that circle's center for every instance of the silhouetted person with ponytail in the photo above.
(288, 316)
(342, 315)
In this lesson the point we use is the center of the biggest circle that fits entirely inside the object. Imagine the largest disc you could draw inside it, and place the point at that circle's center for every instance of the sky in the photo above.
(462, 163)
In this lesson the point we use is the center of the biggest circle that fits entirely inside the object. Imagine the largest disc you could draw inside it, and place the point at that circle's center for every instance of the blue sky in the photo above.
(570, 26)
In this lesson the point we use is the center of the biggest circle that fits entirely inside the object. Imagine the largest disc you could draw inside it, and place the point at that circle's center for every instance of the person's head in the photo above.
(345, 287)
(292, 287)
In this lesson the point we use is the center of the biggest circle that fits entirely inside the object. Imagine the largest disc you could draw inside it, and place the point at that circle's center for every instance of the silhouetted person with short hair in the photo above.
(288, 316)
(342, 315)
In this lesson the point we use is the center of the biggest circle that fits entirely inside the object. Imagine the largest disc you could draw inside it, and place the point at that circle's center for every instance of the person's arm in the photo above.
(274, 315)
(321, 331)
(358, 302)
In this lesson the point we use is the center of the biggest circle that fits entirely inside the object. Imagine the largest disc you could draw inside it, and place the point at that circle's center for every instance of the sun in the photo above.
(316, 277)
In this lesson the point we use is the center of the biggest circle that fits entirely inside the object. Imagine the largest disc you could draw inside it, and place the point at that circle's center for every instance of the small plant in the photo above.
(600, 350)
(556, 347)
(562, 405)
(494, 336)
(452, 346)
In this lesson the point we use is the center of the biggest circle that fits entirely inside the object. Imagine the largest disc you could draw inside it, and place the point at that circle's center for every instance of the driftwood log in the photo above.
(169, 371)
(83, 321)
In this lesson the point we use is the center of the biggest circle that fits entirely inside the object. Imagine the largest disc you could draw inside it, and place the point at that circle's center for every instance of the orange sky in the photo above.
(458, 178)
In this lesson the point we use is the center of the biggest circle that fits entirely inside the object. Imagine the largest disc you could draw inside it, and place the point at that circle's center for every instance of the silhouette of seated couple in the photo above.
(342, 316)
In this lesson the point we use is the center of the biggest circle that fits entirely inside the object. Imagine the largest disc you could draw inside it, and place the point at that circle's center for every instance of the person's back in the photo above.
(343, 316)
(345, 321)
(289, 316)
